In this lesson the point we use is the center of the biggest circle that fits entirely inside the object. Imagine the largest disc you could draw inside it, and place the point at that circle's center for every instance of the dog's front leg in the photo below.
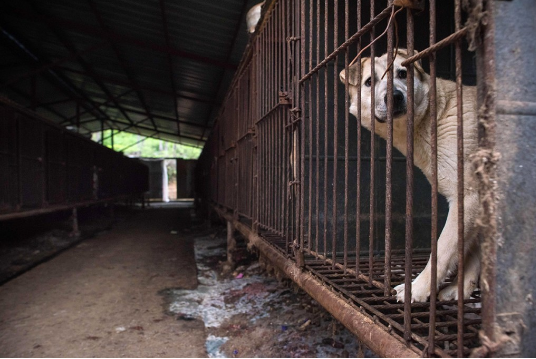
(446, 260)
(447, 252)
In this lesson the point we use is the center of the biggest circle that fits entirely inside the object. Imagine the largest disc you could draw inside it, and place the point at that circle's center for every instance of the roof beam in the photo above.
(56, 79)
(160, 131)
(122, 62)
(87, 67)
(51, 110)
(170, 64)
(111, 35)
(99, 105)
(47, 66)
(235, 36)
(167, 118)
(134, 86)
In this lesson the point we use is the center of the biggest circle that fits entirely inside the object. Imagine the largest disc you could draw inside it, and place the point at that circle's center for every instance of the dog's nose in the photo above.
(398, 98)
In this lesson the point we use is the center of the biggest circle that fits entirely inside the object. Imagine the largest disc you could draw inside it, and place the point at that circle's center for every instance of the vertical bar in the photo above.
(301, 113)
(346, 136)
(317, 77)
(326, 6)
(74, 221)
(280, 124)
(389, 163)
(433, 180)
(269, 120)
(231, 243)
(459, 94)
(372, 213)
(358, 165)
(335, 132)
(409, 180)
(310, 119)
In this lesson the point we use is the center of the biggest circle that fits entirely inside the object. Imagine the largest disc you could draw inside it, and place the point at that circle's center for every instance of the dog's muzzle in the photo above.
(399, 105)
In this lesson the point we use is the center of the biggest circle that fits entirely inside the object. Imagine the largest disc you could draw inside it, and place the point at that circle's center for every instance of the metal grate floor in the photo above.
(387, 312)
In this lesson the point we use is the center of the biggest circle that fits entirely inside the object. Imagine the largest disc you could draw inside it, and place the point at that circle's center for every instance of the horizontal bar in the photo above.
(436, 47)
(372, 335)
(57, 208)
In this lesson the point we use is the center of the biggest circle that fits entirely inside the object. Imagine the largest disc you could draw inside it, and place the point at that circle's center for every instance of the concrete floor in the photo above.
(102, 298)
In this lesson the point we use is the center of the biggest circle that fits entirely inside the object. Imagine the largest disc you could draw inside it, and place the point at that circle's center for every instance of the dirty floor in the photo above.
(101, 297)
(156, 285)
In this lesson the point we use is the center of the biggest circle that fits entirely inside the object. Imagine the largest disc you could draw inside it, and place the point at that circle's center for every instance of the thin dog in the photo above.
(447, 254)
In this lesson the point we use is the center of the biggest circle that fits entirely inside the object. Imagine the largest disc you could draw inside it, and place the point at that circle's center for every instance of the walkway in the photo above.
(101, 298)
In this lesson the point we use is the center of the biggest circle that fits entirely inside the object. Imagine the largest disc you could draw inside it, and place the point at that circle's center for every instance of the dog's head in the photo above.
(380, 88)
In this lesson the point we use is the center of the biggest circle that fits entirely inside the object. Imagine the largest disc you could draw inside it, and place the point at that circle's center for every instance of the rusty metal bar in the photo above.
(433, 180)
(358, 165)
(372, 196)
(346, 138)
(389, 161)
(409, 177)
(326, 127)
(301, 100)
(317, 102)
(437, 46)
(310, 134)
(335, 134)
(460, 184)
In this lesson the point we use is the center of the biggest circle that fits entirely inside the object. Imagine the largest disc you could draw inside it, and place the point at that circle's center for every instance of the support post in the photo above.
(74, 220)
(231, 243)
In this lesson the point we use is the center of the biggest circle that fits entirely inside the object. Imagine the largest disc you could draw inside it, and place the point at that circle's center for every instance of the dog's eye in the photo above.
(368, 83)
(402, 74)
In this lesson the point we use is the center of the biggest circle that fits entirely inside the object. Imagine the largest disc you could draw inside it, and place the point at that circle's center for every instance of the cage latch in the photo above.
(284, 98)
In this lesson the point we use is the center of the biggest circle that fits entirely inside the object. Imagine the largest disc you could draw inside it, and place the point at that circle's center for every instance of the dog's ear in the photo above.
(352, 72)
(417, 64)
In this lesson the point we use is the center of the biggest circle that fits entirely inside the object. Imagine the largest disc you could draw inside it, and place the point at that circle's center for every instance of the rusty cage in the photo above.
(336, 207)
(45, 168)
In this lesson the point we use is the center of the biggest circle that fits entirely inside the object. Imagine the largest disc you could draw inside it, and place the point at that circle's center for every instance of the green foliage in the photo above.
(140, 146)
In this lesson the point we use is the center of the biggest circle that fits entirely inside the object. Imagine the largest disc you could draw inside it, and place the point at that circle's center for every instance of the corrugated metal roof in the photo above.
(158, 68)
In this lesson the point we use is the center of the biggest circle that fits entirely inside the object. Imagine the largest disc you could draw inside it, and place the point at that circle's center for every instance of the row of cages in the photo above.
(43, 165)
(384, 212)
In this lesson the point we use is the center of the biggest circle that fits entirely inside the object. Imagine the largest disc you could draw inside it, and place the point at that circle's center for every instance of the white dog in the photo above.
(447, 255)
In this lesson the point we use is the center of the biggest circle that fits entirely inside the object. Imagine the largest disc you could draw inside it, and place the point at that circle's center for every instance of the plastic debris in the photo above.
(213, 345)
(120, 329)
(240, 276)
(305, 324)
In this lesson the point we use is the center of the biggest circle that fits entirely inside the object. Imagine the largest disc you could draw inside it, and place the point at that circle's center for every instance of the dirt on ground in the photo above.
(154, 283)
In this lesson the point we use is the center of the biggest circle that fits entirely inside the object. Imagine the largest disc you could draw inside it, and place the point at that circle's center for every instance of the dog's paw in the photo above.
(419, 293)
(451, 292)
